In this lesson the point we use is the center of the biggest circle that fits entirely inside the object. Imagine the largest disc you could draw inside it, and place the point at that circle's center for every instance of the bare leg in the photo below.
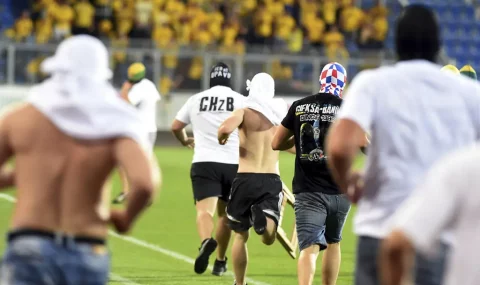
(331, 264)
(307, 264)
(270, 233)
(240, 257)
(223, 231)
(205, 212)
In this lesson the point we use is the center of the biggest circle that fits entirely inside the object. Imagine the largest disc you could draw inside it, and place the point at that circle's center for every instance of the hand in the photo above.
(120, 221)
(127, 85)
(355, 187)
(190, 142)
(223, 139)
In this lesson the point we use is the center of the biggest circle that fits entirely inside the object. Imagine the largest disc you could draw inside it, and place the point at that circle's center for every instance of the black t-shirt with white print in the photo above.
(309, 119)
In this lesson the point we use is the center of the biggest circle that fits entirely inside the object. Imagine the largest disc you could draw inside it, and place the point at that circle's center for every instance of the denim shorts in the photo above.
(320, 218)
(427, 271)
(42, 261)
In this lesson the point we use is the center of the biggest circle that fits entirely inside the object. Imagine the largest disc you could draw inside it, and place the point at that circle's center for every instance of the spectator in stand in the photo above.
(335, 45)
(63, 16)
(202, 36)
(351, 19)
(230, 33)
(163, 35)
(124, 14)
(85, 17)
(380, 27)
(263, 22)
(215, 20)
(309, 10)
(329, 9)
(23, 27)
(284, 26)
(184, 32)
(143, 19)
(315, 28)
(295, 44)
(103, 11)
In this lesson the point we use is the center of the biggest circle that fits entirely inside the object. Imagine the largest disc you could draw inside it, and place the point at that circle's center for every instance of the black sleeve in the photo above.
(289, 120)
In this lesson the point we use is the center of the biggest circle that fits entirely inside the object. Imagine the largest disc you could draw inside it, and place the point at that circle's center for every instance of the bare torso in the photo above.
(59, 179)
(256, 154)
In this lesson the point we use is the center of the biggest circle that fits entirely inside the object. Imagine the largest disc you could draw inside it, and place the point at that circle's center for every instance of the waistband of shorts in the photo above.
(60, 237)
(255, 174)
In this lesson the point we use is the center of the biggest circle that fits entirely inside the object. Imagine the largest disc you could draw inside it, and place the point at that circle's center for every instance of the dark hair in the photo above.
(417, 34)
(220, 75)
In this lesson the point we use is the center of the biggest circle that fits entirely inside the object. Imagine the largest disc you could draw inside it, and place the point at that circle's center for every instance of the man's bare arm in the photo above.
(230, 125)
(343, 141)
(133, 160)
(7, 175)
(124, 91)
(396, 258)
(178, 130)
(283, 139)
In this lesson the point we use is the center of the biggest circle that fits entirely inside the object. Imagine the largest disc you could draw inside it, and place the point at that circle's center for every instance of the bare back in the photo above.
(59, 179)
(256, 153)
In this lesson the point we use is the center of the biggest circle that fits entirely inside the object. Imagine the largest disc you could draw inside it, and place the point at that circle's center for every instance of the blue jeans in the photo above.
(428, 271)
(36, 260)
(320, 218)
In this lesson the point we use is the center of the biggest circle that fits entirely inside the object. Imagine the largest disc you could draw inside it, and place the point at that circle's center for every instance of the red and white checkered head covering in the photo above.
(333, 79)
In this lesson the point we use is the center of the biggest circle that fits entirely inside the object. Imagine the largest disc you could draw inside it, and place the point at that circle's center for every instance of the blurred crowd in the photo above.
(233, 26)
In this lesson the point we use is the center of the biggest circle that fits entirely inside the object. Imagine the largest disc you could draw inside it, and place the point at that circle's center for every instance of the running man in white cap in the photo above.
(143, 94)
(257, 195)
(68, 137)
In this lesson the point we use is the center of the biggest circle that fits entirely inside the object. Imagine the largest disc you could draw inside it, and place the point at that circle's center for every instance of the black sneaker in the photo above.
(219, 267)
(206, 249)
(120, 198)
(259, 219)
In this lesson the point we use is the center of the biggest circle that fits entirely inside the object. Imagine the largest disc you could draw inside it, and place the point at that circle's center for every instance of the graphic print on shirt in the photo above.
(315, 120)
(214, 104)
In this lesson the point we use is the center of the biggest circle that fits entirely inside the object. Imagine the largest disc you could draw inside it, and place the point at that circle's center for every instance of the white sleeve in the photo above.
(359, 102)
(184, 114)
(136, 95)
(433, 206)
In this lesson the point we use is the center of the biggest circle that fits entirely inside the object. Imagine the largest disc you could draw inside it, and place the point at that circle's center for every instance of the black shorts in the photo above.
(250, 189)
(212, 179)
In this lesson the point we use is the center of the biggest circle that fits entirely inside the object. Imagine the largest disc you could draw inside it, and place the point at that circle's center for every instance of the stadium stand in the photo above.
(338, 30)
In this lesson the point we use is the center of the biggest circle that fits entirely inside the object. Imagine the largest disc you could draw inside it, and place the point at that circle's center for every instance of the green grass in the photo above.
(170, 224)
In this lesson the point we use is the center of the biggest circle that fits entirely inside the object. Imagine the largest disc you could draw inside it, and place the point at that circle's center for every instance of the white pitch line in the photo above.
(155, 248)
(123, 280)
(113, 276)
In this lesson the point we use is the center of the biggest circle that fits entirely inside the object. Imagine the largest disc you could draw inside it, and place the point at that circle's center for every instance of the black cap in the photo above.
(417, 34)
(220, 75)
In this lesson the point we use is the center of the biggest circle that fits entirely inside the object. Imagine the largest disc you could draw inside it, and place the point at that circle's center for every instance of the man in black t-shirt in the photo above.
(320, 209)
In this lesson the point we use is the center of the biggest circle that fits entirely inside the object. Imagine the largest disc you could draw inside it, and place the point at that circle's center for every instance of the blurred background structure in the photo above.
(179, 40)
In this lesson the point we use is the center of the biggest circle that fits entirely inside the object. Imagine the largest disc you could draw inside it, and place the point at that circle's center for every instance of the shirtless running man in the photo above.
(257, 189)
(66, 139)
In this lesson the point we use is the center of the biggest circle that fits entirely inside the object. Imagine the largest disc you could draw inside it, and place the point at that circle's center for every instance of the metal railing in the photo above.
(190, 70)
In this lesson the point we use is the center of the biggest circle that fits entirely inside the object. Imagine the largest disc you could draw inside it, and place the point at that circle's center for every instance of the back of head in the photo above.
(333, 79)
(417, 34)
(220, 75)
(82, 56)
(450, 69)
(469, 72)
(262, 86)
(136, 72)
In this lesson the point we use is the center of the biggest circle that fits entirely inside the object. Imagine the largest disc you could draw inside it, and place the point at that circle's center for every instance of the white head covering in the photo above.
(260, 98)
(78, 98)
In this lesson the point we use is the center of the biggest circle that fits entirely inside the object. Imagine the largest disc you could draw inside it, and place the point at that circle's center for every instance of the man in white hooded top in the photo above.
(68, 137)
(256, 195)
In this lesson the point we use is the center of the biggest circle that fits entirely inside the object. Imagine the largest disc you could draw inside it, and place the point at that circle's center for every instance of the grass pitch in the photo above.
(164, 243)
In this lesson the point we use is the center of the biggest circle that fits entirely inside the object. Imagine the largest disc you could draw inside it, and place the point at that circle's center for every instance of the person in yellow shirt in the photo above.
(63, 16)
(295, 44)
(247, 6)
(378, 10)
(175, 9)
(163, 35)
(85, 17)
(380, 27)
(215, 20)
(329, 9)
(263, 23)
(23, 27)
(196, 69)
(202, 36)
(124, 15)
(283, 29)
(309, 9)
(351, 18)
(335, 44)
(315, 28)
(120, 44)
